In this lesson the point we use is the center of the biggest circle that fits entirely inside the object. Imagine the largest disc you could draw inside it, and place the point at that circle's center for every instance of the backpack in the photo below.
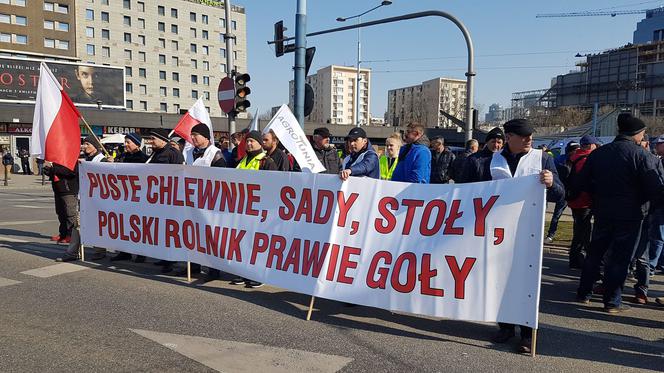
(572, 181)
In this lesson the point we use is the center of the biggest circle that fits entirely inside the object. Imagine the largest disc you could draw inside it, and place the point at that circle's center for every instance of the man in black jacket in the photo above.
(621, 177)
(64, 183)
(271, 146)
(326, 152)
(441, 161)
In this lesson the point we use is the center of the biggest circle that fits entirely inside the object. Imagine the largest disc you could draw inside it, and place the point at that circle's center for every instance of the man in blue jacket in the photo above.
(414, 158)
(363, 160)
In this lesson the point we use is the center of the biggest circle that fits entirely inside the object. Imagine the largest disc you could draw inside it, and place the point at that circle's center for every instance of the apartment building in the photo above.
(423, 103)
(335, 95)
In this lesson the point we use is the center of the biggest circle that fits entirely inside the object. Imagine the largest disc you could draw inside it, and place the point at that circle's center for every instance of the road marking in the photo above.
(8, 282)
(7, 239)
(231, 356)
(25, 222)
(33, 207)
(54, 270)
(29, 199)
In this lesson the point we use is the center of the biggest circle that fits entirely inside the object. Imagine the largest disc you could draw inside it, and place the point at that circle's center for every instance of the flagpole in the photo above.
(95, 136)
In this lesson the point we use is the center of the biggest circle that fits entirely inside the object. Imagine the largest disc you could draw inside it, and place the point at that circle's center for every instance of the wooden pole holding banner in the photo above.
(311, 307)
(95, 136)
(533, 346)
(188, 271)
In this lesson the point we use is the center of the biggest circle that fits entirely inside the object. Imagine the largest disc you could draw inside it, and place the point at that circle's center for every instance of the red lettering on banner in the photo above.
(232, 199)
(411, 271)
(346, 264)
(114, 191)
(277, 246)
(332, 266)
(287, 211)
(175, 190)
(151, 225)
(426, 215)
(312, 260)
(123, 235)
(212, 240)
(150, 196)
(260, 245)
(94, 183)
(383, 273)
(102, 219)
(189, 191)
(389, 218)
(460, 274)
(481, 212)
(172, 233)
(344, 206)
(293, 257)
(426, 273)
(452, 217)
(252, 198)
(210, 193)
(304, 208)
(234, 251)
(412, 205)
(188, 235)
(125, 188)
(135, 187)
(135, 234)
(324, 197)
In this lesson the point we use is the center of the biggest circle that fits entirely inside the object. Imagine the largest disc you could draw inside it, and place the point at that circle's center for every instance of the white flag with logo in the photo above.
(291, 135)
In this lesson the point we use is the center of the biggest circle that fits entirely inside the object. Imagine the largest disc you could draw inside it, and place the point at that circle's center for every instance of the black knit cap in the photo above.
(256, 135)
(92, 140)
(134, 137)
(629, 125)
(201, 129)
(495, 133)
(160, 133)
(322, 132)
(519, 127)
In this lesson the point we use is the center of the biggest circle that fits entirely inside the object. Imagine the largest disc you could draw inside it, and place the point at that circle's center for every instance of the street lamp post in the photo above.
(358, 79)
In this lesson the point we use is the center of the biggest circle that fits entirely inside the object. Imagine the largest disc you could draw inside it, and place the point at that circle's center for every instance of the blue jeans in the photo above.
(557, 213)
(618, 240)
(648, 256)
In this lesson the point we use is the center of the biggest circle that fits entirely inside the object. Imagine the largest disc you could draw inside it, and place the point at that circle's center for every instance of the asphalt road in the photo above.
(111, 316)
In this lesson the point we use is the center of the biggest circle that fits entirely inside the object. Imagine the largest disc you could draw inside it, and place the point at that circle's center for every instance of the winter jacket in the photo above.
(578, 160)
(621, 177)
(363, 163)
(167, 155)
(441, 167)
(63, 180)
(281, 159)
(329, 158)
(458, 165)
(414, 163)
(481, 171)
(137, 157)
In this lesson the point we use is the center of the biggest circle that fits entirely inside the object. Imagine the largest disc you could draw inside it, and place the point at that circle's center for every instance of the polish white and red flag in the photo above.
(55, 131)
(197, 114)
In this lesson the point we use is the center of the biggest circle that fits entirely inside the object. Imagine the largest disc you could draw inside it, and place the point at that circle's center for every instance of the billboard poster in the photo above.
(86, 84)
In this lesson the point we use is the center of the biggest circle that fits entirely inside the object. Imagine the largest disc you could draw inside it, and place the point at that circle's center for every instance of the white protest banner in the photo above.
(291, 135)
(469, 251)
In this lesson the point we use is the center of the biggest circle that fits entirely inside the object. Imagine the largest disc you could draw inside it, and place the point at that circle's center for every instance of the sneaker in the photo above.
(660, 301)
(55, 238)
(254, 284)
(503, 335)
(525, 346)
(583, 299)
(121, 256)
(619, 309)
(548, 239)
(67, 258)
(640, 299)
(238, 281)
(65, 240)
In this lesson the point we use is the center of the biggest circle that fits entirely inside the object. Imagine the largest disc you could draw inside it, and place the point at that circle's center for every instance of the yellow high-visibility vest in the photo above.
(385, 170)
(254, 164)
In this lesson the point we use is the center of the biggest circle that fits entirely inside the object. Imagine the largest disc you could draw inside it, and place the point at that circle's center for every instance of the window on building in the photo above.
(5, 38)
(162, 43)
(193, 48)
(206, 80)
(175, 61)
(129, 104)
(176, 77)
(127, 37)
(194, 79)
(222, 52)
(126, 4)
(90, 49)
(142, 72)
(20, 20)
(90, 14)
(222, 67)
(105, 34)
(144, 105)
(174, 45)
(143, 89)
(205, 35)
(48, 43)
(162, 91)
(194, 93)
(206, 50)
(142, 56)
(5, 18)
(222, 23)
(162, 75)
(234, 25)
(206, 95)
(163, 107)
(204, 19)
(47, 6)
(192, 32)
(162, 59)
(206, 65)
(141, 39)
(161, 26)
(63, 26)
(174, 13)
(105, 17)
(194, 64)
(104, 2)
(129, 87)
(19, 2)
(90, 32)
(176, 92)
(49, 25)
(161, 10)
(128, 71)
(127, 54)
(176, 108)
(192, 16)
(64, 9)
(141, 6)
(126, 20)
(141, 23)
(105, 51)
(174, 29)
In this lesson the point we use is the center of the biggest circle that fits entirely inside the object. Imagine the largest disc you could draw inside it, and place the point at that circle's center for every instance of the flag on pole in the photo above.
(55, 131)
(288, 130)
(197, 114)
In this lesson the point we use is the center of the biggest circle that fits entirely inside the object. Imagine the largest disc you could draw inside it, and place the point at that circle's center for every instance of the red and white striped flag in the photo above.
(56, 135)
(197, 114)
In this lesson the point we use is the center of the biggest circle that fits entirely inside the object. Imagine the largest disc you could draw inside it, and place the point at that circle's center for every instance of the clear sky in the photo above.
(514, 50)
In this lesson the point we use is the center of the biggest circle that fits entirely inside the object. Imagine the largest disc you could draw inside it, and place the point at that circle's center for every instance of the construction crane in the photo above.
(592, 13)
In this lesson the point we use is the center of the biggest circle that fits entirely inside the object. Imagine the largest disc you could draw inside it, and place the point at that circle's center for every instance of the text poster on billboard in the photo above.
(86, 85)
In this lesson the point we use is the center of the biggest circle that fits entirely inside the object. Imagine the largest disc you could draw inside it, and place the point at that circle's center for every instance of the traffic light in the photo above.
(308, 99)
(241, 92)
(278, 38)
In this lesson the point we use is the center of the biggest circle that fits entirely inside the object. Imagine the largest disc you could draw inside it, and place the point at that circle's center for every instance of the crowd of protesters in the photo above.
(614, 190)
